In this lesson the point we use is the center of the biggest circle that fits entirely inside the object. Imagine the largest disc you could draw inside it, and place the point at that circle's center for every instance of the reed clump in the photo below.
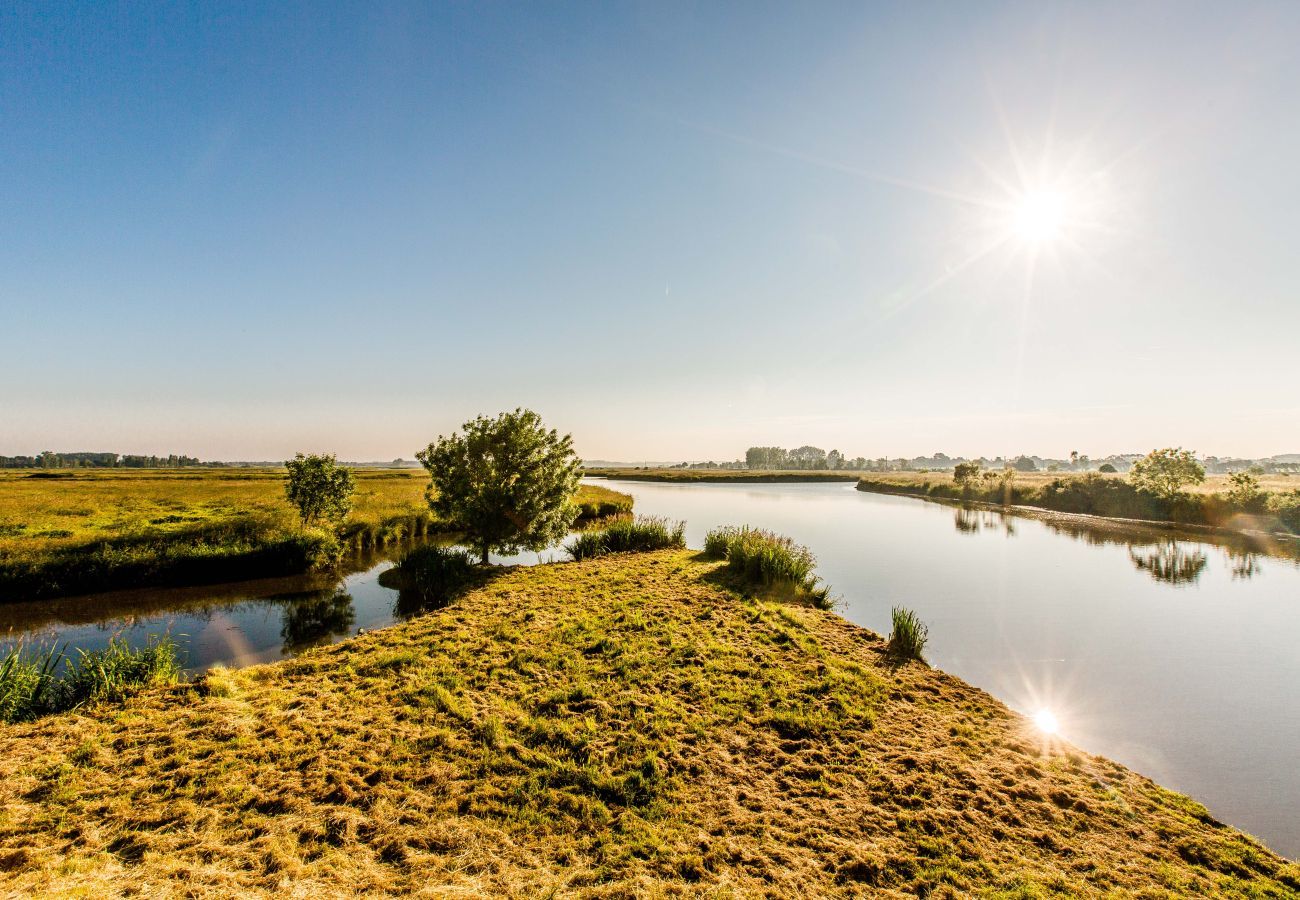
(909, 635)
(38, 682)
(628, 535)
(769, 560)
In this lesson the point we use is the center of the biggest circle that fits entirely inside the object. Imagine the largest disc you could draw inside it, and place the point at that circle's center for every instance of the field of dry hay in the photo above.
(627, 726)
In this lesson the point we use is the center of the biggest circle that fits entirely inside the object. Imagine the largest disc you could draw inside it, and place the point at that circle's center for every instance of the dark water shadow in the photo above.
(412, 601)
(1170, 562)
(316, 620)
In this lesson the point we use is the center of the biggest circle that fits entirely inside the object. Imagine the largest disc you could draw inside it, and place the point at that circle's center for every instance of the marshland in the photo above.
(65, 532)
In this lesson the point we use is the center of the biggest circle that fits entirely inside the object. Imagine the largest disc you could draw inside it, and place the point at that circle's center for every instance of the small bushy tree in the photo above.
(1166, 472)
(966, 474)
(508, 482)
(319, 487)
(1245, 491)
(1107, 469)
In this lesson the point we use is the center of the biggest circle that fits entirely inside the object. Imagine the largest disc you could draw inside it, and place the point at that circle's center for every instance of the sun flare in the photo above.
(1039, 217)
(1045, 721)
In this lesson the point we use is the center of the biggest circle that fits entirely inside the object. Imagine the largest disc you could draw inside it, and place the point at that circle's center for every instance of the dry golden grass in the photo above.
(628, 726)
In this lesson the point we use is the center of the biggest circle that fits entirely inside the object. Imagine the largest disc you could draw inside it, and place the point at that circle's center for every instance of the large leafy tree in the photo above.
(508, 482)
(1166, 472)
(319, 487)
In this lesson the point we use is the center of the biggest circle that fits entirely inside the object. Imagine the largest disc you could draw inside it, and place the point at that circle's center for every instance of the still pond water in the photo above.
(1175, 653)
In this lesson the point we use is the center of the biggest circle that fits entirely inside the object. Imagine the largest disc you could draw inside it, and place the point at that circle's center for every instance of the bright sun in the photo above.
(1045, 719)
(1038, 217)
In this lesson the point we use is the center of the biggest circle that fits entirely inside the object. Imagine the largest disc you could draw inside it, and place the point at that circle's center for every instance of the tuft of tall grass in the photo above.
(118, 670)
(27, 679)
(31, 685)
(628, 535)
(768, 559)
(717, 540)
(438, 574)
(909, 635)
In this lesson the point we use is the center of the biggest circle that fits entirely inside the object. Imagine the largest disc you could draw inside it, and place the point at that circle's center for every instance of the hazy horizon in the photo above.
(674, 231)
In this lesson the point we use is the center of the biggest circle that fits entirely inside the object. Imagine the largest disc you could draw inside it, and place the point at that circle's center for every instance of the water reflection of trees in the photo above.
(1243, 564)
(1159, 553)
(973, 520)
(315, 619)
(1170, 562)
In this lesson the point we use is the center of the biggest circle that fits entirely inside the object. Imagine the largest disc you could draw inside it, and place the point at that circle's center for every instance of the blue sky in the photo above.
(674, 230)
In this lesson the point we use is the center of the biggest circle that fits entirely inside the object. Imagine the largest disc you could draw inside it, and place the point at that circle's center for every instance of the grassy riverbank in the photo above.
(720, 475)
(89, 531)
(1275, 509)
(625, 726)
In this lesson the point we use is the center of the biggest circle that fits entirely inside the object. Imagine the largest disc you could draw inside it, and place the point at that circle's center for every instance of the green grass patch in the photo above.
(769, 560)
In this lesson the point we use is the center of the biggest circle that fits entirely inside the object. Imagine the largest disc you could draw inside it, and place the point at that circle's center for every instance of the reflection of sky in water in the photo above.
(1171, 651)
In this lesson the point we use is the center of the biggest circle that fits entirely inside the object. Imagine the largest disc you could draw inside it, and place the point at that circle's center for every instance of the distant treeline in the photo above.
(805, 457)
(51, 460)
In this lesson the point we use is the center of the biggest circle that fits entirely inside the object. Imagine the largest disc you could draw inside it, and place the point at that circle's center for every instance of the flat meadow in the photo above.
(70, 531)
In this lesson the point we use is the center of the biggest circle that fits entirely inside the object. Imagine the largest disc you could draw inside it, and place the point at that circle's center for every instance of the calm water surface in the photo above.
(1175, 653)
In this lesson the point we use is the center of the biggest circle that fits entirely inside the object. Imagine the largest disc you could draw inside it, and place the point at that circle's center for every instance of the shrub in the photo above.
(30, 686)
(1286, 506)
(769, 560)
(629, 535)
(437, 574)
(1094, 494)
(966, 474)
(1245, 492)
(1107, 469)
(319, 488)
(909, 635)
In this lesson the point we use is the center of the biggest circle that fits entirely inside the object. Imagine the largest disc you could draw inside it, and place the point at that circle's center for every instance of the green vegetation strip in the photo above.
(631, 725)
(1111, 496)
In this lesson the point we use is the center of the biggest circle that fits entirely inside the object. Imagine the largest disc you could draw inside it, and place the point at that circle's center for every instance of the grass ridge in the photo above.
(628, 725)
